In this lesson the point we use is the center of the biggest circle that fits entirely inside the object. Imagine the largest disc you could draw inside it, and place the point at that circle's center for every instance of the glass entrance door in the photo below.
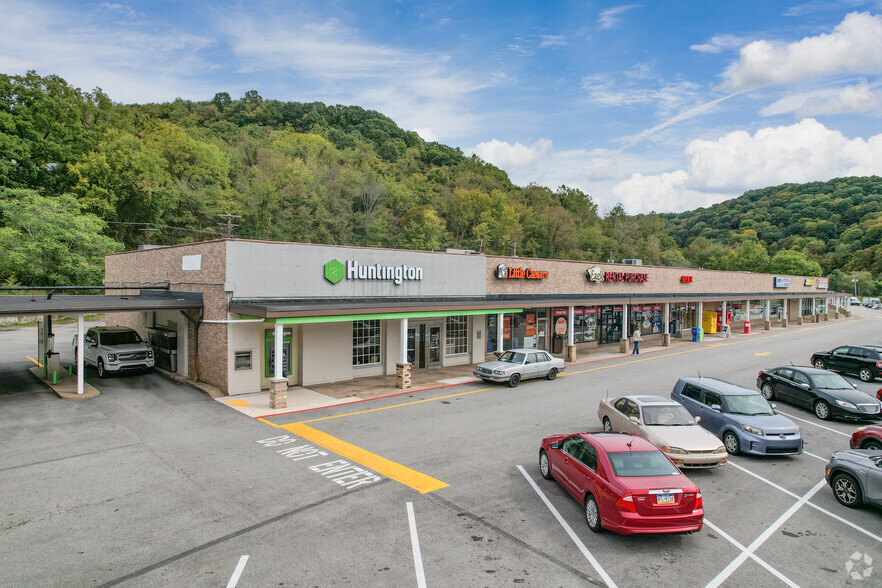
(610, 325)
(424, 345)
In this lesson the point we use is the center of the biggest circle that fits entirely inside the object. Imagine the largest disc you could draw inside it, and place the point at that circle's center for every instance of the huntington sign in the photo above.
(336, 271)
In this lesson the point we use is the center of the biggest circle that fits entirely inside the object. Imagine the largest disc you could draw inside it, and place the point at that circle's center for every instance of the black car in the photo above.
(862, 360)
(826, 394)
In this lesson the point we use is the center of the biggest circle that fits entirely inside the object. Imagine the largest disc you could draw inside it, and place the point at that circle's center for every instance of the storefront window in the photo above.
(457, 335)
(757, 309)
(365, 342)
(646, 318)
(585, 319)
(522, 329)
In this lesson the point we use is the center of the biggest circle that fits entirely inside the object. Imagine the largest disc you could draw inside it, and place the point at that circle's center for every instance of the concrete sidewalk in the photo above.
(352, 391)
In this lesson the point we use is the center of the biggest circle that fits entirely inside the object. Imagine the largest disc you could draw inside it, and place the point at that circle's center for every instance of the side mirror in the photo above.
(698, 419)
(806, 386)
(716, 407)
(635, 420)
(555, 445)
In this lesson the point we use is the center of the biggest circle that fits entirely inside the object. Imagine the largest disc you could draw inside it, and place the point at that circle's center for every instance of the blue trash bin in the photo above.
(695, 334)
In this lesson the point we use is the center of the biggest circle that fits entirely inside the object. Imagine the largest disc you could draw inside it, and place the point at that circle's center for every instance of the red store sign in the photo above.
(686, 279)
(625, 277)
(503, 272)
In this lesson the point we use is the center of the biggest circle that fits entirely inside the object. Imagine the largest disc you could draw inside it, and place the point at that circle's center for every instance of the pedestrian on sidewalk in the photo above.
(636, 339)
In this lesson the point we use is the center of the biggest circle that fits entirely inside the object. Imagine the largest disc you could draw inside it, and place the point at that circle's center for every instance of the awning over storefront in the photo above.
(384, 315)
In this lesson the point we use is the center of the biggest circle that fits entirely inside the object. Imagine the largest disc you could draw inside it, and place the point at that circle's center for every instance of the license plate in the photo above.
(664, 499)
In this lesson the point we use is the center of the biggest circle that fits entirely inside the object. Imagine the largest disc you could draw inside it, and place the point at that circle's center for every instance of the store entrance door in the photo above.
(610, 325)
(424, 345)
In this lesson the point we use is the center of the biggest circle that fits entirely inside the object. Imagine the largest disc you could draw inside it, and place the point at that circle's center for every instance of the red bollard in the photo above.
(746, 327)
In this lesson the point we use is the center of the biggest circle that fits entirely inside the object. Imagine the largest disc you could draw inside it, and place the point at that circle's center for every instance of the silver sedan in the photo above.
(520, 364)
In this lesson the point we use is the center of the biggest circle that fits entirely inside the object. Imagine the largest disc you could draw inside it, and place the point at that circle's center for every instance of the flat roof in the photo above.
(92, 303)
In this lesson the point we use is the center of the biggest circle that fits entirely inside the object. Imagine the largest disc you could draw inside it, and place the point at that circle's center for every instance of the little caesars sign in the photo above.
(336, 271)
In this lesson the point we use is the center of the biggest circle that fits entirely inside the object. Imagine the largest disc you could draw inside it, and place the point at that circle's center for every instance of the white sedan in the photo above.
(520, 364)
(667, 425)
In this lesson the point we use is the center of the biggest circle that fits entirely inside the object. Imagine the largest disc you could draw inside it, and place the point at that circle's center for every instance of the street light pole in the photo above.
(854, 281)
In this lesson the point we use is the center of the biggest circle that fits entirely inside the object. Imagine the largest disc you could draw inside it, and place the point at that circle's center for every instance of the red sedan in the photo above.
(626, 483)
(869, 437)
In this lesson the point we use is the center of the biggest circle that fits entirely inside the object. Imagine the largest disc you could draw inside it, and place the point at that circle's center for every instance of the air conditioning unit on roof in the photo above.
(632, 261)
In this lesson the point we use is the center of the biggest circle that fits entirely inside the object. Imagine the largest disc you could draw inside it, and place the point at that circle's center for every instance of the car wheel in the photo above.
(730, 440)
(846, 490)
(592, 514)
(820, 364)
(102, 373)
(514, 381)
(552, 374)
(872, 443)
(544, 465)
(767, 391)
(822, 410)
(865, 375)
(607, 426)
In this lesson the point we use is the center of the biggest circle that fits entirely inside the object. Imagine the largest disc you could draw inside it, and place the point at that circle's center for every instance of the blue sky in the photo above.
(662, 106)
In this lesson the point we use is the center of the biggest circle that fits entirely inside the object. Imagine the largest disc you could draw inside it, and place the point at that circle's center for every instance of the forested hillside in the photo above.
(81, 176)
(837, 224)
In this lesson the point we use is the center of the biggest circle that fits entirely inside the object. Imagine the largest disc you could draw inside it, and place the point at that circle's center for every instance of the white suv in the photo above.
(115, 349)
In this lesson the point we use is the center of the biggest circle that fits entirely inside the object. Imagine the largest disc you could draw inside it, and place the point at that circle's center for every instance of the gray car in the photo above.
(520, 364)
(856, 477)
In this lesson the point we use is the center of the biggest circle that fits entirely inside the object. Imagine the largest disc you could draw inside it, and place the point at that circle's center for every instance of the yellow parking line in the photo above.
(34, 360)
(386, 467)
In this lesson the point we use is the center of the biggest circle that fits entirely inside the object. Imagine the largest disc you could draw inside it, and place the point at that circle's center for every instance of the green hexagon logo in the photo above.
(334, 271)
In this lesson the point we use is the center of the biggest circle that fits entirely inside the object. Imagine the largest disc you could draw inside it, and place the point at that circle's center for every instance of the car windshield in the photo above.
(752, 404)
(667, 416)
(637, 464)
(120, 338)
(831, 382)
(512, 357)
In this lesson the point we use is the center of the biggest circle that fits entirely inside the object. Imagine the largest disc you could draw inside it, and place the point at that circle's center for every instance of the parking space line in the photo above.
(736, 563)
(753, 556)
(814, 506)
(415, 544)
(240, 567)
(815, 456)
(569, 531)
(386, 467)
(788, 415)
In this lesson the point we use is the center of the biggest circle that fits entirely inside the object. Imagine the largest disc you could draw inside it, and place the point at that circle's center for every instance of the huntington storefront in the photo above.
(341, 313)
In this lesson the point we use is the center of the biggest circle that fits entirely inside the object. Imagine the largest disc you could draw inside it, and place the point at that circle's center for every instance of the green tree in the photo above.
(421, 229)
(793, 263)
(50, 241)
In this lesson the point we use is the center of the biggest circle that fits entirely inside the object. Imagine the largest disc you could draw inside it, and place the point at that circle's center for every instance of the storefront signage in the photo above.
(560, 326)
(809, 282)
(597, 275)
(336, 271)
(685, 279)
(503, 272)
(822, 283)
(782, 282)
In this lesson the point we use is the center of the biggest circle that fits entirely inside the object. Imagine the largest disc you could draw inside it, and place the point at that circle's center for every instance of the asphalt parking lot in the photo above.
(153, 483)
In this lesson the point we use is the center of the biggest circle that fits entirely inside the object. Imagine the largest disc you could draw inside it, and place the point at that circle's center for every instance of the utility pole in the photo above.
(854, 281)
(515, 254)
(230, 224)
(148, 231)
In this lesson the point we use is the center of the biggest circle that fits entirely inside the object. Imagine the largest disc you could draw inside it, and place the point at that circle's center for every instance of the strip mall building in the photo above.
(339, 313)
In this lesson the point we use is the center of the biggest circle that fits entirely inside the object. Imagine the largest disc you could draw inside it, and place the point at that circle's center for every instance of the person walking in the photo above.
(636, 339)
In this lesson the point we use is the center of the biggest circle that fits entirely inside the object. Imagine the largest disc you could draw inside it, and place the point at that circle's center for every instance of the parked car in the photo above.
(625, 483)
(114, 350)
(667, 425)
(868, 437)
(862, 360)
(856, 477)
(520, 364)
(825, 393)
(741, 417)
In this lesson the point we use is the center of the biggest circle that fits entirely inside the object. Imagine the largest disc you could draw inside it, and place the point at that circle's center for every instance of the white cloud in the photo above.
(852, 47)
(552, 40)
(859, 98)
(426, 134)
(507, 156)
(613, 91)
(612, 17)
(720, 43)
(665, 192)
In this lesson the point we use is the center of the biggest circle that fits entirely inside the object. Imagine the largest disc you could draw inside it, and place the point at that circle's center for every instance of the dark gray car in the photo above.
(856, 477)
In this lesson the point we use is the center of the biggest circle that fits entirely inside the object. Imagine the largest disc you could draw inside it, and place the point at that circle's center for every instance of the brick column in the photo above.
(402, 373)
(278, 393)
